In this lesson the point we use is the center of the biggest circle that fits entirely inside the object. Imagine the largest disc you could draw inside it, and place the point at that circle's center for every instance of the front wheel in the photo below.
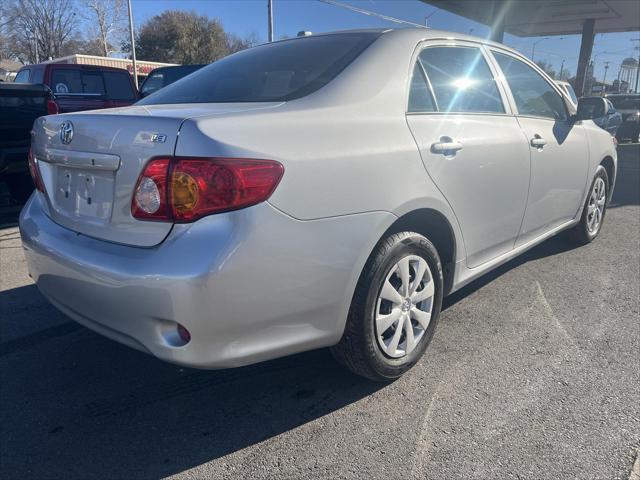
(594, 209)
(394, 310)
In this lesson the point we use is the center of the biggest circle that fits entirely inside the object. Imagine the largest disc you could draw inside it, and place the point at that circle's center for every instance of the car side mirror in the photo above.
(590, 108)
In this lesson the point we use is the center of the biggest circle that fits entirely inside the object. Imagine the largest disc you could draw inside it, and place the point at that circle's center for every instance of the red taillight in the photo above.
(52, 107)
(35, 172)
(186, 189)
(150, 196)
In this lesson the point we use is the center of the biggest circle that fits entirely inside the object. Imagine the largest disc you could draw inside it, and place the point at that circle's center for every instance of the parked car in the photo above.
(603, 113)
(322, 191)
(82, 87)
(20, 105)
(161, 77)
(568, 90)
(629, 106)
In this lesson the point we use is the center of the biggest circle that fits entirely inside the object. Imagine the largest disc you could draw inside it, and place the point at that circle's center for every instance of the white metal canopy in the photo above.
(528, 18)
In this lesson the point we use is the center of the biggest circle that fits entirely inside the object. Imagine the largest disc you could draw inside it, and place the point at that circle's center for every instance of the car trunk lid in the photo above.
(90, 176)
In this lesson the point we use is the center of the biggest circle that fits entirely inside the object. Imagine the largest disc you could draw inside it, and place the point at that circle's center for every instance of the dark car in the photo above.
(82, 87)
(603, 113)
(629, 108)
(163, 76)
(20, 105)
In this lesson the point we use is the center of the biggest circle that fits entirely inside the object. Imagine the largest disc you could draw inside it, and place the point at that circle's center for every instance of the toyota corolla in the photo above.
(324, 191)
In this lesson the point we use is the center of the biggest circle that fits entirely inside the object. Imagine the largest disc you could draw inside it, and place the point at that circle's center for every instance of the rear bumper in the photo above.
(249, 285)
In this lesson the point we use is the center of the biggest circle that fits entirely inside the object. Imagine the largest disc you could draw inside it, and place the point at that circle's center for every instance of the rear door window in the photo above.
(118, 86)
(461, 80)
(533, 94)
(71, 81)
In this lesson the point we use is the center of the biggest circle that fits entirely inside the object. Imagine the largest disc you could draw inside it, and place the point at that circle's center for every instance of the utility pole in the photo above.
(533, 47)
(637, 47)
(270, 18)
(133, 46)
(561, 70)
(604, 79)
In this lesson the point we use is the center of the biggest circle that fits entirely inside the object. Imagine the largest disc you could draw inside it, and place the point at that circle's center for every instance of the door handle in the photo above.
(537, 141)
(446, 147)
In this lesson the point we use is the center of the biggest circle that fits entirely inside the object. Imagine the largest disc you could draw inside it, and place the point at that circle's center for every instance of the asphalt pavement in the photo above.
(533, 373)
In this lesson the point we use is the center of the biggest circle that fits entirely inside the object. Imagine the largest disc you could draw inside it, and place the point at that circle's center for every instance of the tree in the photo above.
(235, 43)
(79, 45)
(546, 67)
(186, 38)
(108, 17)
(39, 29)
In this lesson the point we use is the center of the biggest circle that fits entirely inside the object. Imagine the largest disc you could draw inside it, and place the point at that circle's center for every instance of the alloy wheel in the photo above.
(595, 208)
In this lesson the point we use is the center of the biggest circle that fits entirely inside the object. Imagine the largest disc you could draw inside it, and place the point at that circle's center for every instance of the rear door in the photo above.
(557, 146)
(471, 145)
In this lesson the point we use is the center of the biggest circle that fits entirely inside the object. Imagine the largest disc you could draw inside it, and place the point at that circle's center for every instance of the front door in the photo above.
(558, 148)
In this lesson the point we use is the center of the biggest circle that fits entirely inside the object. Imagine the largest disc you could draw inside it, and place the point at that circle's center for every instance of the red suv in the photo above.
(82, 87)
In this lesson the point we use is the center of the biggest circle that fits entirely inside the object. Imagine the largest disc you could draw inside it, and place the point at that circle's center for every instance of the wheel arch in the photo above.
(609, 166)
(436, 227)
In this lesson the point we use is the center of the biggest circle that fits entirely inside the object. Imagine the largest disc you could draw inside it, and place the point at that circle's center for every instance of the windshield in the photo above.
(625, 102)
(272, 72)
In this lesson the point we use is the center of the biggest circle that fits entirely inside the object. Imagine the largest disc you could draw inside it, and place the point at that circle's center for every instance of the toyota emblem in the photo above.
(66, 132)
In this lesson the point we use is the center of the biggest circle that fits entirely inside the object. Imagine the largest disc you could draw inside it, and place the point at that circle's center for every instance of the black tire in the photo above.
(358, 349)
(581, 233)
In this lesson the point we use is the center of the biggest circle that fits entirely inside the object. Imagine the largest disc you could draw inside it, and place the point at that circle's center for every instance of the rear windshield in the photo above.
(626, 102)
(273, 72)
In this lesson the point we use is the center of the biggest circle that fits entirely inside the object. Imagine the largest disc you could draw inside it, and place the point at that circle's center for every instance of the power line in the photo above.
(370, 13)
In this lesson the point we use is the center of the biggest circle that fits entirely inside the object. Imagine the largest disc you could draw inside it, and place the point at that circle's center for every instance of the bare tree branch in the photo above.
(107, 16)
(42, 25)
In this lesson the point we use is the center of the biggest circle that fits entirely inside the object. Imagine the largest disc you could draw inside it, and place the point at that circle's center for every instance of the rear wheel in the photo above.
(394, 310)
(594, 209)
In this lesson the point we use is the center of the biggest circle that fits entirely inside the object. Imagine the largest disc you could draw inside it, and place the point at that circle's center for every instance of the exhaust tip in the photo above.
(184, 334)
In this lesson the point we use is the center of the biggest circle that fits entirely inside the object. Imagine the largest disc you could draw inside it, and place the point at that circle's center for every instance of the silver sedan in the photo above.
(324, 191)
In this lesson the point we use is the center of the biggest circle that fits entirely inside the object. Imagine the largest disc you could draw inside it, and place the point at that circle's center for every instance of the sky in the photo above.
(247, 17)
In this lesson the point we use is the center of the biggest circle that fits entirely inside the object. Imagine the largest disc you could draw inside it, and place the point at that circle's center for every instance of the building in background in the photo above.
(8, 70)
(628, 73)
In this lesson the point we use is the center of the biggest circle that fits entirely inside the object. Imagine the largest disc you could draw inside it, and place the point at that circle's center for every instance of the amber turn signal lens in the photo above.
(184, 191)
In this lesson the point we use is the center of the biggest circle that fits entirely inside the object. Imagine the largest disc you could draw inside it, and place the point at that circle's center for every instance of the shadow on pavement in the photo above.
(76, 405)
